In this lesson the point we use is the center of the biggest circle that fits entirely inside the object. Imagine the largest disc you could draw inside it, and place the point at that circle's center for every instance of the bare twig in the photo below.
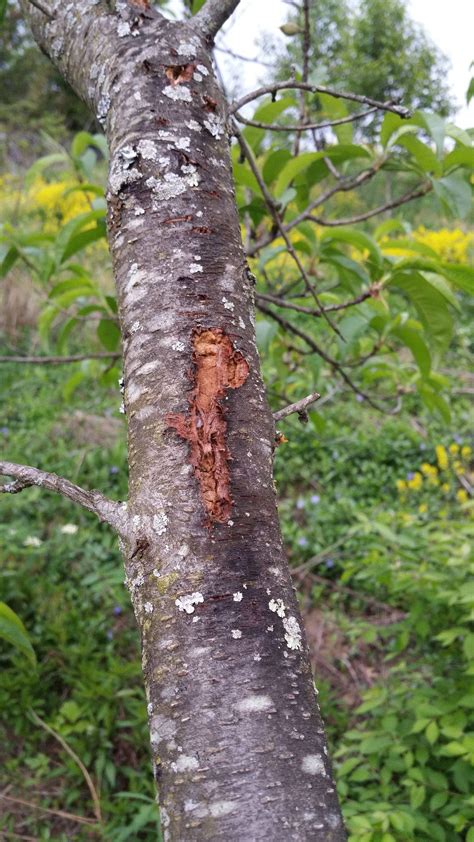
(298, 308)
(108, 511)
(75, 358)
(300, 407)
(416, 193)
(342, 187)
(291, 328)
(77, 761)
(70, 816)
(213, 15)
(232, 54)
(305, 46)
(278, 222)
(389, 105)
(38, 5)
(302, 127)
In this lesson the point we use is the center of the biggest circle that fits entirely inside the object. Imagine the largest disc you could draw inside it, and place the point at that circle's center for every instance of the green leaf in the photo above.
(72, 228)
(43, 163)
(9, 260)
(414, 342)
(462, 276)
(430, 305)
(468, 646)
(459, 157)
(297, 165)
(109, 334)
(3, 9)
(432, 733)
(454, 194)
(357, 239)
(435, 126)
(336, 109)
(423, 155)
(268, 112)
(81, 141)
(417, 796)
(274, 163)
(84, 239)
(390, 124)
(13, 631)
(197, 4)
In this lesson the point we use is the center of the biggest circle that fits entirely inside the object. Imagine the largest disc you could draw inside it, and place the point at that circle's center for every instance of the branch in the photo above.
(75, 358)
(416, 193)
(315, 89)
(299, 407)
(108, 511)
(298, 308)
(342, 187)
(276, 216)
(213, 15)
(38, 5)
(233, 54)
(303, 127)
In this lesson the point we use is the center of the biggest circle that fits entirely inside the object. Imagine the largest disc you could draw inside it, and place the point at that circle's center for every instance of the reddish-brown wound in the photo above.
(217, 367)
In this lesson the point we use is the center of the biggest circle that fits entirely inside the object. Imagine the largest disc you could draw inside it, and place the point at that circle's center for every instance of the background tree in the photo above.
(373, 48)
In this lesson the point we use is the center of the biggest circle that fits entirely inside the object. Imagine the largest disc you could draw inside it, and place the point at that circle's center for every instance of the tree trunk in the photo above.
(237, 740)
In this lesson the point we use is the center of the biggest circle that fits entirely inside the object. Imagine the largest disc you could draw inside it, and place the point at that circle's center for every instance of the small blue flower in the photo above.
(4, 431)
(422, 446)
(315, 498)
(117, 610)
(302, 542)
(360, 398)
(329, 563)
(458, 439)
(410, 475)
(300, 503)
(110, 634)
(113, 470)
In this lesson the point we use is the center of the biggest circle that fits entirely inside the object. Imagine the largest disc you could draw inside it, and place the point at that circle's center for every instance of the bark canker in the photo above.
(218, 367)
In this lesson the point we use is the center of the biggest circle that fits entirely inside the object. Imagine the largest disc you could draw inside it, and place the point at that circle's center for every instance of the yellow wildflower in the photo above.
(462, 495)
(401, 485)
(446, 487)
(452, 245)
(466, 452)
(428, 470)
(415, 482)
(458, 467)
(442, 457)
(422, 508)
(454, 449)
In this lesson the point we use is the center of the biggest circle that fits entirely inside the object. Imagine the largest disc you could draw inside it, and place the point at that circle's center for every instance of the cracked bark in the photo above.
(237, 740)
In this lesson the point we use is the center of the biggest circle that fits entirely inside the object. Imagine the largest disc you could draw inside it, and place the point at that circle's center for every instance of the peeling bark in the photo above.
(237, 740)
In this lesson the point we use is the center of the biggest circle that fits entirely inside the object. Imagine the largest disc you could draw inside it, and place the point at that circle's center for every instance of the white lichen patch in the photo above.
(230, 523)
(241, 323)
(186, 48)
(237, 596)
(148, 608)
(160, 522)
(171, 185)
(103, 108)
(137, 95)
(186, 603)
(147, 149)
(139, 211)
(185, 763)
(195, 268)
(135, 326)
(292, 633)
(202, 69)
(183, 143)
(197, 77)
(162, 729)
(123, 29)
(313, 764)
(236, 634)
(178, 92)
(257, 657)
(149, 709)
(221, 808)
(254, 704)
(122, 409)
(278, 607)
(177, 346)
(214, 125)
(228, 305)
(193, 125)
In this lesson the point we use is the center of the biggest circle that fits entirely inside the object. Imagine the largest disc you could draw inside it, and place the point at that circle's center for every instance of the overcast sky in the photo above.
(449, 24)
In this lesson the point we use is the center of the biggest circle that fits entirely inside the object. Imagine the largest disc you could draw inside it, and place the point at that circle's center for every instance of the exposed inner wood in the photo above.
(217, 367)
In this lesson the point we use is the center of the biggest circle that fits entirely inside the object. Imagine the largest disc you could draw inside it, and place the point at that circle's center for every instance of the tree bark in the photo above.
(237, 740)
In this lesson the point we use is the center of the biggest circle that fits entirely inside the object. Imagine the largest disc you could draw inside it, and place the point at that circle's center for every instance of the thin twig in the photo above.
(342, 187)
(62, 813)
(300, 407)
(306, 46)
(292, 84)
(231, 53)
(213, 15)
(38, 5)
(302, 127)
(278, 222)
(77, 761)
(298, 308)
(416, 193)
(108, 511)
(75, 358)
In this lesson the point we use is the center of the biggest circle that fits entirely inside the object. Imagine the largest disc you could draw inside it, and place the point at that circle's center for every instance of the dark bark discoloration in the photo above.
(235, 728)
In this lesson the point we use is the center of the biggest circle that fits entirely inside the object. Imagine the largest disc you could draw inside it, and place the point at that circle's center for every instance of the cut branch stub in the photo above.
(217, 367)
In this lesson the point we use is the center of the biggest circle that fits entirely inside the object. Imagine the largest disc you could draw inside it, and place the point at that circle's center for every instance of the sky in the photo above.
(449, 25)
